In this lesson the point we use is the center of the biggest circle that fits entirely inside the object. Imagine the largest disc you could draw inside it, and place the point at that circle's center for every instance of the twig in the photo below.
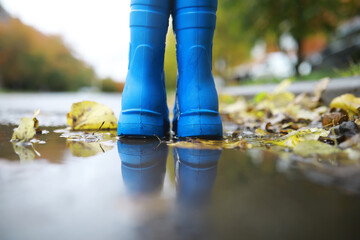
(102, 124)
(101, 148)
(159, 141)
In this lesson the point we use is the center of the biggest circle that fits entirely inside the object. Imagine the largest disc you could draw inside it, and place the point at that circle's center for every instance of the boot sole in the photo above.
(142, 123)
(201, 124)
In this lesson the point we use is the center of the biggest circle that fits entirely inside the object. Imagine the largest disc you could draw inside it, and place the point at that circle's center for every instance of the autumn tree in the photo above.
(30, 60)
(301, 18)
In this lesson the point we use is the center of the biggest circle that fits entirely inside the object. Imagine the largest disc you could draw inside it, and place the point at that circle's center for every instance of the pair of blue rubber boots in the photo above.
(144, 107)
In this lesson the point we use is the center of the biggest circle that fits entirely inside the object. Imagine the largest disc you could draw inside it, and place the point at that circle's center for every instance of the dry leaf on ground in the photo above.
(347, 102)
(89, 115)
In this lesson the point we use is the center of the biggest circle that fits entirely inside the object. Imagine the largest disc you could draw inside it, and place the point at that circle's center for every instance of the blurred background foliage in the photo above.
(30, 60)
(312, 25)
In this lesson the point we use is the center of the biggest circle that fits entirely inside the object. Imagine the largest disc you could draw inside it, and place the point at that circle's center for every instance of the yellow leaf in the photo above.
(313, 147)
(295, 137)
(36, 122)
(260, 132)
(88, 115)
(348, 102)
(211, 144)
(25, 131)
(87, 149)
(282, 86)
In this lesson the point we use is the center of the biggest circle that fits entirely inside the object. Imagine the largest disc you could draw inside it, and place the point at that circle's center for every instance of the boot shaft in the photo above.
(148, 27)
(194, 26)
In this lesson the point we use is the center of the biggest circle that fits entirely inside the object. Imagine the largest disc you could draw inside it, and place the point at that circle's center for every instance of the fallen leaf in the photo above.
(26, 129)
(334, 118)
(312, 147)
(260, 132)
(211, 144)
(347, 102)
(320, 88)
(88, 115)
(282, 86)
(295, 137)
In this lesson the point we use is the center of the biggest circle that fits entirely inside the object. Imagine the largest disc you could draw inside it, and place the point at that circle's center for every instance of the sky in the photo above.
(96, 30)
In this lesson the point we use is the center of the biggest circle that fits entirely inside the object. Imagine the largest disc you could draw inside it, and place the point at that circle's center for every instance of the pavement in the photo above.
(336, 87)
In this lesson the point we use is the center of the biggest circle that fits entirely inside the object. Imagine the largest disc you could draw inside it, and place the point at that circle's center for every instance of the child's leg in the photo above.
(144, 110)
(196, 110)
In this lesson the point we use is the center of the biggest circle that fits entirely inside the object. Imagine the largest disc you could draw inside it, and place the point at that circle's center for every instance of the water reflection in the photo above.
(195, 174)
(143, 165)
(25, 152)
(195, 171)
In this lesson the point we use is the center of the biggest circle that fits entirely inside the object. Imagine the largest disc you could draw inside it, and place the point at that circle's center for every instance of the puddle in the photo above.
(138, 190)
(112, 189)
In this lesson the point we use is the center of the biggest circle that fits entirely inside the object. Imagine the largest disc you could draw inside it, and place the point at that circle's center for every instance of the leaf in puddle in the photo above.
(88, 115)
(211, 144)
(26, 129)
(312, 147)
(295, 137)
(88, 149)
(347, 102)
(195, 145)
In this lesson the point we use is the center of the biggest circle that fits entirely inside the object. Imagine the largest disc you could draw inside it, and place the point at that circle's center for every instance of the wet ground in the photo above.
(111, 189)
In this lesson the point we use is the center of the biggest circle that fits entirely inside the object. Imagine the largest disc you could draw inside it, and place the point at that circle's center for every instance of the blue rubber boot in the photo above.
(196, 108)
(144, 108)
(143, 165)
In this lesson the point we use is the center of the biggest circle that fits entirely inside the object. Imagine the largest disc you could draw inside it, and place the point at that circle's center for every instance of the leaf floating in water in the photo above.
(312, 147)
(26, 129)
(211, 144)
(88, 115)
(295, 137)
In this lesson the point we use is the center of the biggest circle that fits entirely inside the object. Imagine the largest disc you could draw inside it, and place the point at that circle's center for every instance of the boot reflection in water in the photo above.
(144, 108)
(195, 172)
(143, 165)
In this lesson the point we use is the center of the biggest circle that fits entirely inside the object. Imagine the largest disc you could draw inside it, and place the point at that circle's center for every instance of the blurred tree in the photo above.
(30, 60)
(267, 19)
(231, 44)
(109, 85)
